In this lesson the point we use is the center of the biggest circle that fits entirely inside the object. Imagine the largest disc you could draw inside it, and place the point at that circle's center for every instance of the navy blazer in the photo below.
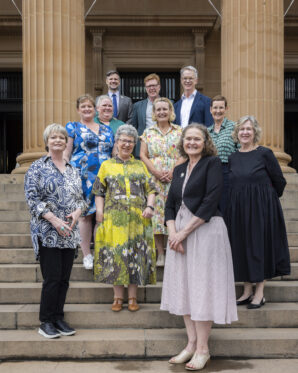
(138, 120)
(202, 191)
(199, 113)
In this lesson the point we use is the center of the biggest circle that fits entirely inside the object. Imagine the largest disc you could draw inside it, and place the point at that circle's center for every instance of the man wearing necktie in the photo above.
(122, 104)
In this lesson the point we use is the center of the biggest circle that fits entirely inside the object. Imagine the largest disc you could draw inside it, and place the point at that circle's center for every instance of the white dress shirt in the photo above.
(186, 107)
(149, 121)
(117, 93)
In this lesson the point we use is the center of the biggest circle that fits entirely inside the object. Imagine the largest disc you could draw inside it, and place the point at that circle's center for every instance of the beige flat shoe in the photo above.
(181, 358)
(198, 361)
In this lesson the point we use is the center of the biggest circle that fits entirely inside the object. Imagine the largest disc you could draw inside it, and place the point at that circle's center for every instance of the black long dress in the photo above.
(254, 216)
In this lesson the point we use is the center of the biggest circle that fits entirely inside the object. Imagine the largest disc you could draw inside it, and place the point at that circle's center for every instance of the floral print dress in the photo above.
(89, 151)
(124, 244)
(163, 153)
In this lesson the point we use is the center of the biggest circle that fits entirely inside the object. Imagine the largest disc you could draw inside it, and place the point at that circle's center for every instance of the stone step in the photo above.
(90, 292)
(25, 255)
(289, 199)
(150, 343)
(13, 205)
(292, 226)
(15, 240)
(32, 272)
(290, 214)
(14, 227)
(12, 196)
(292, 239)
(100, 316)
(14, 216)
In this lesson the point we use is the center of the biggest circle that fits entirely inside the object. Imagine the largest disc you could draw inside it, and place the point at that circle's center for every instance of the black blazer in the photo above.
(202, 191)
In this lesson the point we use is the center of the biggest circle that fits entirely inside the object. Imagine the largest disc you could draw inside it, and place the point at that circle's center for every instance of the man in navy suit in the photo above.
(142, 110)
(122, 104)
(193, 107)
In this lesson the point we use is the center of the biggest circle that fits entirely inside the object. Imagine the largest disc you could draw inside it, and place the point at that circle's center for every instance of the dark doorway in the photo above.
(132, 85)
(291, 117)
(11, 120)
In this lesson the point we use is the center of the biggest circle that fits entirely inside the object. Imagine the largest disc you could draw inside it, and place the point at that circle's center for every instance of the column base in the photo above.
(25, 160)
(283, 160)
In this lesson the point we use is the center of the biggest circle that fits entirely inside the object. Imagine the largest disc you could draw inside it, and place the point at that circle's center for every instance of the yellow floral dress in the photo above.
(163, 153)
(124, 244)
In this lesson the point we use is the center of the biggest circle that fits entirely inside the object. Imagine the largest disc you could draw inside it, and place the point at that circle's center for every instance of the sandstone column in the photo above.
(53, 69)
(252, 51)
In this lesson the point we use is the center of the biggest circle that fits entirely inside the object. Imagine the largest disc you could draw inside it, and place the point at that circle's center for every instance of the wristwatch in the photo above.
(150, 207)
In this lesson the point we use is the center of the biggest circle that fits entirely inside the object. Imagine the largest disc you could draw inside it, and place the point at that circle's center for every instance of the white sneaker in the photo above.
(160, 260)
(88, 261)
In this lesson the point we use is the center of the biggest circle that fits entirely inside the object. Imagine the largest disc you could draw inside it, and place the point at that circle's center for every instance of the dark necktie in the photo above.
(115, 105)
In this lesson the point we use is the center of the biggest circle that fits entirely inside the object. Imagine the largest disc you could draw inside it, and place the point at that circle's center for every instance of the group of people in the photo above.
(146, 177)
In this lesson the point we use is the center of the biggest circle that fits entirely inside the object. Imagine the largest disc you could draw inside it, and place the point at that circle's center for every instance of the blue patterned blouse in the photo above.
(47, 189)
(89, 151)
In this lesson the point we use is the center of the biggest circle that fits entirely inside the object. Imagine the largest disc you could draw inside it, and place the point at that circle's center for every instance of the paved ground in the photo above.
(225, 366)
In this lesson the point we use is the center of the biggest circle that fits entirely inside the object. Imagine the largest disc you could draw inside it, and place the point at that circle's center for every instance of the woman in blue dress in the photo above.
(89, 145)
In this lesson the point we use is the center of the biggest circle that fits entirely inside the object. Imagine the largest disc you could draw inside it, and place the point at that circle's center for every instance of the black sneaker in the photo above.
(64, 328)
(48, 330)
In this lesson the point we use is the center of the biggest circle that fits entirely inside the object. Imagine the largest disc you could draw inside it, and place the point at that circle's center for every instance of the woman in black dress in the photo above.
(254, 215)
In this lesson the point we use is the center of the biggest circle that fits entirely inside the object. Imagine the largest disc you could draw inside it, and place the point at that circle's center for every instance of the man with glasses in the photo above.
(122, 105)
(142, 110)
(193, 107)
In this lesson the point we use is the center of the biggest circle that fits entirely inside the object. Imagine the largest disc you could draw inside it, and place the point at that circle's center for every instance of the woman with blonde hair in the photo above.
(159, 152)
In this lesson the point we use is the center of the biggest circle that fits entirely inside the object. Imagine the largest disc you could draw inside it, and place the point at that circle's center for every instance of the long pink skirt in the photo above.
(200, 283)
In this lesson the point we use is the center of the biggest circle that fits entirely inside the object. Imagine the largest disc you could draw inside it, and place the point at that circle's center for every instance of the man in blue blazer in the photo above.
(142, 110)
(193, 107)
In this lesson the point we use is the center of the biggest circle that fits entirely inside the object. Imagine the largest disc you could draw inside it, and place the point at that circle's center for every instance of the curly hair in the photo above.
(209, 147)
(255, 125)
(171, 108)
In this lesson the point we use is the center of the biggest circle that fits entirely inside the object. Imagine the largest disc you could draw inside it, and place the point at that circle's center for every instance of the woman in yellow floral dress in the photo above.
(124, 244)
(160, 154)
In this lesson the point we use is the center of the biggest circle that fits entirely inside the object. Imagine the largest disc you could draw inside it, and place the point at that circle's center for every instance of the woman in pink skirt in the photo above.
(198, 279)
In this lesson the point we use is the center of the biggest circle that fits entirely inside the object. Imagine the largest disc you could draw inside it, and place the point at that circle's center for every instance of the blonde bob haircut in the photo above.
(85, 98)
(53, 128)
(171, 108)
(255, 125)
(209, 147)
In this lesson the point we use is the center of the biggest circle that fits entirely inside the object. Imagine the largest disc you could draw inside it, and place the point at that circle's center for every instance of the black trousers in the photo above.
(56, 265)
(225, 190)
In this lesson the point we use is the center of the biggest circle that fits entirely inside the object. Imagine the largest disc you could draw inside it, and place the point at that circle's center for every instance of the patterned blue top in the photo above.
(89, 151)
(223, 140)
(47, 189)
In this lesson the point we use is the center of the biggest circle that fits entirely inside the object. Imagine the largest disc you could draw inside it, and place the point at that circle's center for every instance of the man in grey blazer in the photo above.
(142, 110)
(122, 104)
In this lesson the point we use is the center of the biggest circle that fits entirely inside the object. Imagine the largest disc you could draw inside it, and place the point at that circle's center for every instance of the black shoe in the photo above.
(252, 306)
(48, 330)
(64, 328)
(244, 301)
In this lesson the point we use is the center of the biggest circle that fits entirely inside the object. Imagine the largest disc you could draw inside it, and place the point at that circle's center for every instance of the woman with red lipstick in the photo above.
(254, 215)
(89, 145)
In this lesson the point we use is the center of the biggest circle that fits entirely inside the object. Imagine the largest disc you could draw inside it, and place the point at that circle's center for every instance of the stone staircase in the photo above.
(271, 331)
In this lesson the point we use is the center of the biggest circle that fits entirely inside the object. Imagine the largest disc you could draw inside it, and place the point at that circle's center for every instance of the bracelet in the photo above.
(150, 207)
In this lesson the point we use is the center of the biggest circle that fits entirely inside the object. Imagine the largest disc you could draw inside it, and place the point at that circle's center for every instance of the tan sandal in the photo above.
(133, 306)
(117, 305)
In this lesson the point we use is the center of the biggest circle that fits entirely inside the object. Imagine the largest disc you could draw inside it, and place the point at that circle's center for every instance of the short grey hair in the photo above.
(190, 68)
(99, 99)
(255, 125)
(53, 128)
(127, 130)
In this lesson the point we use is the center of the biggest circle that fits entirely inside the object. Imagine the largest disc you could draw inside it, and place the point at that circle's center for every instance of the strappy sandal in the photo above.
(133, 306)
(117, 305)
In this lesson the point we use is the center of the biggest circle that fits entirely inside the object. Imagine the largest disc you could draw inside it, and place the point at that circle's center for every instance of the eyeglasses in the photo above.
(129, 142)
(151, 86)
